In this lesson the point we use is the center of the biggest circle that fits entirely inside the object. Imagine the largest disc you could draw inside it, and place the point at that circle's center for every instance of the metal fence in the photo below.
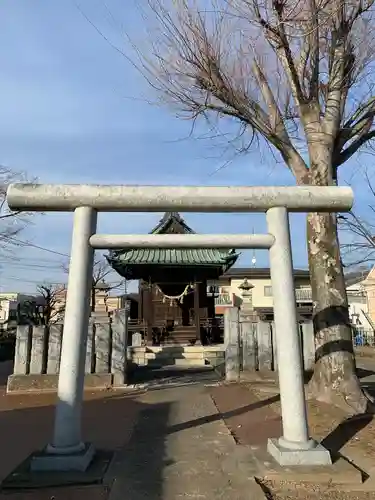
(362, 337)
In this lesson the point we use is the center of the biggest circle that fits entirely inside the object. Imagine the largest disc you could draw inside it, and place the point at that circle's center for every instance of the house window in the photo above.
(268, 291)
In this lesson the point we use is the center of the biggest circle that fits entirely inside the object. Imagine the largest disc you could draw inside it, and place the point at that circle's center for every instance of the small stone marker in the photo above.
(136, 339)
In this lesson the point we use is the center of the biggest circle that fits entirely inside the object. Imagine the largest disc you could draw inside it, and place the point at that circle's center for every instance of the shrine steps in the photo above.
(183, 335)
(178, 355)
(174, 355)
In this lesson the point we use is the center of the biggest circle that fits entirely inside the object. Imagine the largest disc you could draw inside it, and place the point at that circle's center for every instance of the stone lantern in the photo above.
(247, 295)
(247, 299)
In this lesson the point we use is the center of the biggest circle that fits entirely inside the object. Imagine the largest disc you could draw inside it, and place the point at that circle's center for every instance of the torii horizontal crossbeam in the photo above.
(134, 198)
(238, 241)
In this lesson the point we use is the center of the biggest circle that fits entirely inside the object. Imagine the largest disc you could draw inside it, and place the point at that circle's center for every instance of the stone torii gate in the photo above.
(67, 451)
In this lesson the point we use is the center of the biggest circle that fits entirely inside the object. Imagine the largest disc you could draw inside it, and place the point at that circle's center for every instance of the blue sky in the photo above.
(72, 110)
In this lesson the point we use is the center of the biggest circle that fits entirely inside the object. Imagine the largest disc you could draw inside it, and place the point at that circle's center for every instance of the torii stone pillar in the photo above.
(67, 451)
(295, 446)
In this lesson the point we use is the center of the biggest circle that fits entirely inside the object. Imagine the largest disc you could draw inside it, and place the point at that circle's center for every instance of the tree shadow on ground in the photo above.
(344, 432)
(223, 415)
(364, 372)
(134, 430)
(138, 466)
(158, 377)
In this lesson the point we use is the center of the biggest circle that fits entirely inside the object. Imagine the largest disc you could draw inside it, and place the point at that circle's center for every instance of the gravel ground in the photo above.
(303, 491)
(353, 438)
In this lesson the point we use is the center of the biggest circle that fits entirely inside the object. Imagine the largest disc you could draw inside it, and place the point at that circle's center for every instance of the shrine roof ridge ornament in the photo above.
(138, 198)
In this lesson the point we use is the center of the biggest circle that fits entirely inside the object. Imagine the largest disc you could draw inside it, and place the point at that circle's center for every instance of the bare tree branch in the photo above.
(101, 271)
(358, 233)
(298, 76)
(11, 223)
(48, 308)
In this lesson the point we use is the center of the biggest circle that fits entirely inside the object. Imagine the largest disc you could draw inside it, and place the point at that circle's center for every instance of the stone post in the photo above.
(37, 350)
(294, 447)
(23, 350)
(102, 343)
(274, 345)
(54, 348)
(232, 344)
(249, 345)
(248, 321)
(308, 344)
(90, 347)
(120, 345)
(265, 353)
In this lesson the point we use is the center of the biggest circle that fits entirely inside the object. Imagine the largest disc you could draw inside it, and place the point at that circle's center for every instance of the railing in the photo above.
(303, 295)
(212, 330)
(226, 299)
(356, 297)
(223, 299)
(363, 337)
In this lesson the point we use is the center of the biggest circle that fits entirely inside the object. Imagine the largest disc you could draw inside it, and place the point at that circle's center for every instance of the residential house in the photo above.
(228, 292)
(115, 302)
(360, 291)
(103, 302)
(9, 302)
(361, 297)
(98, 300)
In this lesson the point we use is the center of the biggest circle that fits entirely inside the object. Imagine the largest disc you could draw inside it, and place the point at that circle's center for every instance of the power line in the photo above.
(17, 241)
(33, 266)
(113, 285)
(24, 243)
(29, 260)
(34, 282)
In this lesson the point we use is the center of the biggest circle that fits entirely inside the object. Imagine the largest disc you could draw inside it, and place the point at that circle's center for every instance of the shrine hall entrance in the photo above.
(174, 307)
(178, 313)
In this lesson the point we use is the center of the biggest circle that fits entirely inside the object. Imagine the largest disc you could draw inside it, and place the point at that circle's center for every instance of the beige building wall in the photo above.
(369, 286)
(103, 302)
(358, 306)
(114, 303)
(9, 302)
(6, 305)
(58, 312)
(262, 291)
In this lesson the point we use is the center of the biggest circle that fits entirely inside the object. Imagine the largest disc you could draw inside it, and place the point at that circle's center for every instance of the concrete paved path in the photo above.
(180, 449)
(172, 376)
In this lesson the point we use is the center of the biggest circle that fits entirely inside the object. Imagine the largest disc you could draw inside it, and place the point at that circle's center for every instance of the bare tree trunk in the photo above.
(334, 379)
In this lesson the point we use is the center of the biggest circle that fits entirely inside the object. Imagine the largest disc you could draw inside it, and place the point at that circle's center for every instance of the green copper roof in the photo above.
(171, 223)
(175, 256)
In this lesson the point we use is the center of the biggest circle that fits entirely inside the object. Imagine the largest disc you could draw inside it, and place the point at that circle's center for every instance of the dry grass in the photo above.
(303, 491)
(353, 438)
